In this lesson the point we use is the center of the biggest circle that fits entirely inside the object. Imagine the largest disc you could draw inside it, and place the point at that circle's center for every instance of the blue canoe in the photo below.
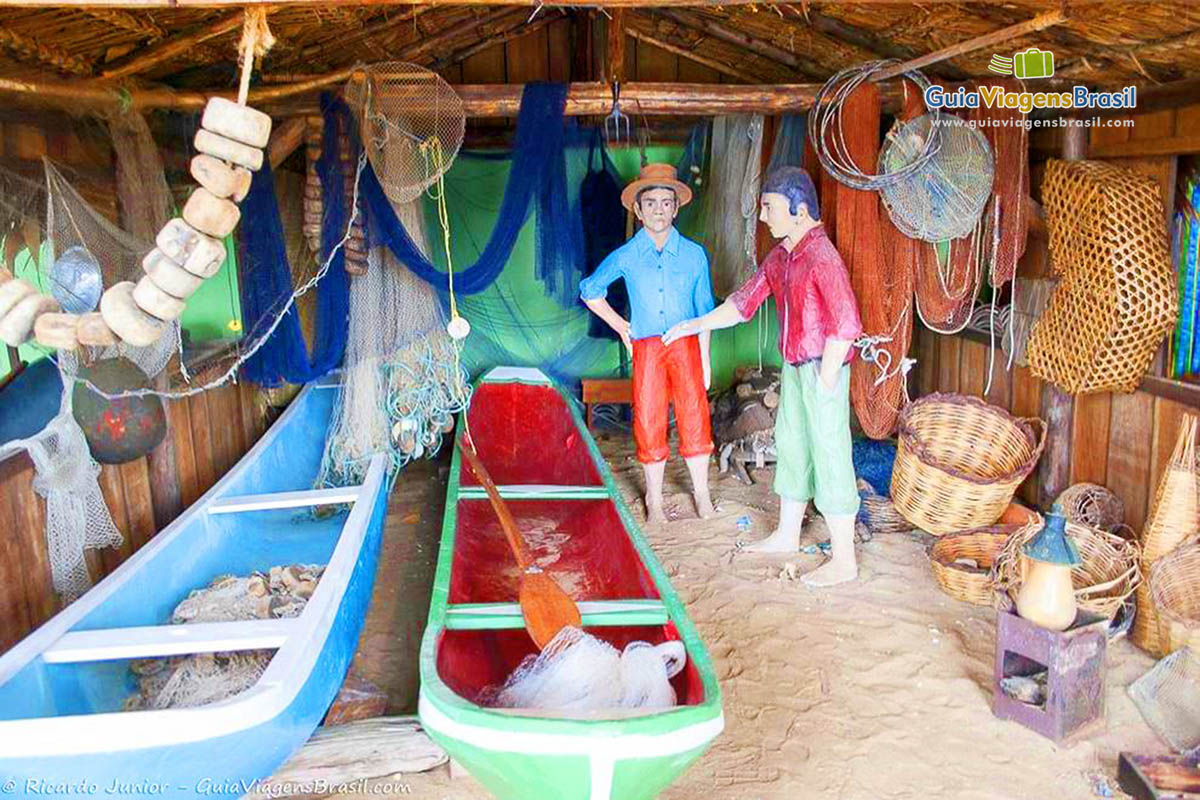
(62, 730)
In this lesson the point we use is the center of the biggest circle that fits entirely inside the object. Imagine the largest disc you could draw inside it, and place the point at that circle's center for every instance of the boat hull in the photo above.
(73, 740)
(475, 638)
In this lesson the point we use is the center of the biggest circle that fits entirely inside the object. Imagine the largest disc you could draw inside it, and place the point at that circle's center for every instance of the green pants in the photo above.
(812, 440)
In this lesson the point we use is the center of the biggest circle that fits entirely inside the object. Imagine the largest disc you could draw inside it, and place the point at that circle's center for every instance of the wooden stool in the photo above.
(605, 390)
(1074, 660)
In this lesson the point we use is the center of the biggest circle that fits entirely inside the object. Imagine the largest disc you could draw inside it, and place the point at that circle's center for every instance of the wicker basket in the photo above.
(959, 461)
(1116, 298)
(1172, 521)
(1175, 585)
(1107, 577)
(971, 584)
(1092, 505)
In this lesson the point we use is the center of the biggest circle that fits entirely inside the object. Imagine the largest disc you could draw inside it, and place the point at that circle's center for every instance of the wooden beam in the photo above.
(865, 40)
(31, 49)
(415, 50)
(1163, 146)
(988, 40)
(174, 47)
(480, 100)
(1176, 94)
(521, 27)
(692, 55)
(285, 139)
(766, 49)
(325, 4)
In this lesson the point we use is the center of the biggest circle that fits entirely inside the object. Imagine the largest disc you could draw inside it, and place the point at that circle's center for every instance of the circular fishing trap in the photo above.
(411, 123)
(944, 198)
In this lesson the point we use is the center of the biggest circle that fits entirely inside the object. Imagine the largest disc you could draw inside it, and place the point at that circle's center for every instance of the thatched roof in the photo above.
(1102, 43)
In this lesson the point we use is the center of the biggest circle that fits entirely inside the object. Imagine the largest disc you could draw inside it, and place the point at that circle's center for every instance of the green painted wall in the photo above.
(474, 189)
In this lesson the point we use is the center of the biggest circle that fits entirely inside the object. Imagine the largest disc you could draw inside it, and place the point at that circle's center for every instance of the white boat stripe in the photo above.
(168, 640)
(274, 500)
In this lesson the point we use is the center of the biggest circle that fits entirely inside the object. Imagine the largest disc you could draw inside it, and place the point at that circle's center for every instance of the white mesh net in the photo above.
(402, 108)
(1169, 698)
(576, 672)
(731, 213)
(945, 198)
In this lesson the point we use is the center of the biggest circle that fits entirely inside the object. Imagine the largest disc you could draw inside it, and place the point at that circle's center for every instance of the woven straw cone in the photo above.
(1108, 575)
(1175, 587)
(1115, 300)
(1172, 521)
(959, 461)
(1092, 505)
(981, 545)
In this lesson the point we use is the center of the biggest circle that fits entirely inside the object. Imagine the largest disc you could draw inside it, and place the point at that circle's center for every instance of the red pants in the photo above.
(671, 374)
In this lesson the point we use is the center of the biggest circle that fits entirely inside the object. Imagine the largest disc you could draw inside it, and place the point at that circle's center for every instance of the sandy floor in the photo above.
(880, 689)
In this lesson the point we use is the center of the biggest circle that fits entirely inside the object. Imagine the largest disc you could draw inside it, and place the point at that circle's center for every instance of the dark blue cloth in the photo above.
(30, 401)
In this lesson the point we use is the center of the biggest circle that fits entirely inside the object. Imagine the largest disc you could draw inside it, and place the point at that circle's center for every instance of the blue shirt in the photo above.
(665, 287)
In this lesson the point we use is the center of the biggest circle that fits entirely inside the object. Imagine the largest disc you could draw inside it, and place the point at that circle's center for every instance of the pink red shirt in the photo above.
(812, 292)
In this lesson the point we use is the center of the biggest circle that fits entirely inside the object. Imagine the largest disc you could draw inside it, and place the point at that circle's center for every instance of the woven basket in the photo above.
(1172, 521)
(1175, 586)
(1115, 299)
(959, 461)
(971, 584)
(1092, 505)
(1103, 582)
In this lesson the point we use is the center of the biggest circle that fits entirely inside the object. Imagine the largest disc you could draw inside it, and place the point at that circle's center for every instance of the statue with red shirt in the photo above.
(818, 323)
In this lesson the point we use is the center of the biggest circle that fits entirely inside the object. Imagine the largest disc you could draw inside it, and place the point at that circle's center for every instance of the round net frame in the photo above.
(945, 198)
(411, 123)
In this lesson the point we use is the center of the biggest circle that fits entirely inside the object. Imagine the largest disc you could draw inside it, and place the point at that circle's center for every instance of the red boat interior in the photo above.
(525, 435)
(469, 662)
(582, 544)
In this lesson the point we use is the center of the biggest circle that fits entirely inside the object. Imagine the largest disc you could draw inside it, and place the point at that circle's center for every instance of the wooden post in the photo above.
(1058, 407)
(614, 65)
(581, 46)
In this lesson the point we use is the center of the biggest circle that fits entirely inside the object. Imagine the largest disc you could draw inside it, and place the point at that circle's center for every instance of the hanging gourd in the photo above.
(123, 429)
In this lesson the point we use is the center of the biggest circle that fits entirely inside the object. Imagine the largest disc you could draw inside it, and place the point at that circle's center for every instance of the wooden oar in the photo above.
(546, 608)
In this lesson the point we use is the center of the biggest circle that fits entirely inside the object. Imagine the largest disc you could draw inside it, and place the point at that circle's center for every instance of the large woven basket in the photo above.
(959, 461)
(1107, 577)
(1116, 298)
(1172, 522)
(971, 583)
(1175, 585)
(1092, 505)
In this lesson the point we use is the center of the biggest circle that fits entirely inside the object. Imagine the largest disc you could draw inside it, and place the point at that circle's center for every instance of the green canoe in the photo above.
(565, 501)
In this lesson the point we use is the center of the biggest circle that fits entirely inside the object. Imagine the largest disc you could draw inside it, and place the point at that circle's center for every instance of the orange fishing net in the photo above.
(1009, 140)
(881, 262)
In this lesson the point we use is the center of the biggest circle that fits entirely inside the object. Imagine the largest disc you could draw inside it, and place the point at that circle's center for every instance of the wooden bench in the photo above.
(605, 390)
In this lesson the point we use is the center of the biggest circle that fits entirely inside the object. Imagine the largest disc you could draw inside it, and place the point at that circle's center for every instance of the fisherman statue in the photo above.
(666, 276)
(818, 323)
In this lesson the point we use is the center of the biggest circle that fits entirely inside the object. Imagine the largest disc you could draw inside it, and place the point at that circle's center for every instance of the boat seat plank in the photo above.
(109, 644)
(276, 500)
(595, 613)
(530, 491)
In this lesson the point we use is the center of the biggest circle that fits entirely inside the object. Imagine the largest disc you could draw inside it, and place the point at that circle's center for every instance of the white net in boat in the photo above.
(576, 672)
(945, 198)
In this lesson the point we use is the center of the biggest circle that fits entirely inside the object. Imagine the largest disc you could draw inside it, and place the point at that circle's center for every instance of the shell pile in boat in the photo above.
(201, 678)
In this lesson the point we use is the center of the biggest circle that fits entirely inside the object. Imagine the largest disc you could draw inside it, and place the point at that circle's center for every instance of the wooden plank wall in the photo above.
(1121, 441)
(206, 443)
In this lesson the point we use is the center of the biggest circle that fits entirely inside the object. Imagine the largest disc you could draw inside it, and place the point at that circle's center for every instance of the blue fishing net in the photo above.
(600, 205)
(873, 462)
(788, 150)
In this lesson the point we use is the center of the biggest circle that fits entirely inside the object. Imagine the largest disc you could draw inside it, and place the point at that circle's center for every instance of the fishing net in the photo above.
(576, 672)
(881, 262)
(202, 678)
(1008, 136)
(411, 123)
(1169, 698)
(731, 214)
(943, 199)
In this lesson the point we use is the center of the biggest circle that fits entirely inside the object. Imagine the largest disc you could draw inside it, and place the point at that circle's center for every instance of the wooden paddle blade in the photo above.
(547, 609)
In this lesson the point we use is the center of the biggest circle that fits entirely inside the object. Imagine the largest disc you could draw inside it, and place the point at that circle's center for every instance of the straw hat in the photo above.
(656, 175)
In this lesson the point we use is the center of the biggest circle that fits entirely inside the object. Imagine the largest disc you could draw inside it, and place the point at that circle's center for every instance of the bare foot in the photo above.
(704, 506)
(778, 542)
(831, 573)
(654, 511)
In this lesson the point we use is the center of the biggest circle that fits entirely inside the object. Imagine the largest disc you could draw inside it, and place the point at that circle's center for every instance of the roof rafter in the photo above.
(760, 47)
(29, 48)
(173, 47)
(521, 27)
(684, 50)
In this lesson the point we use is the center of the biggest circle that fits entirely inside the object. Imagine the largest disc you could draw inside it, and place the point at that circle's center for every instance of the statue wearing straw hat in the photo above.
(667, 278)
(818, 323)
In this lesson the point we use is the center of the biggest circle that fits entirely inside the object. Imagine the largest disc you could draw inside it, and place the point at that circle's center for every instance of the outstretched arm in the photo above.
(600, 307)
(725, 315)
